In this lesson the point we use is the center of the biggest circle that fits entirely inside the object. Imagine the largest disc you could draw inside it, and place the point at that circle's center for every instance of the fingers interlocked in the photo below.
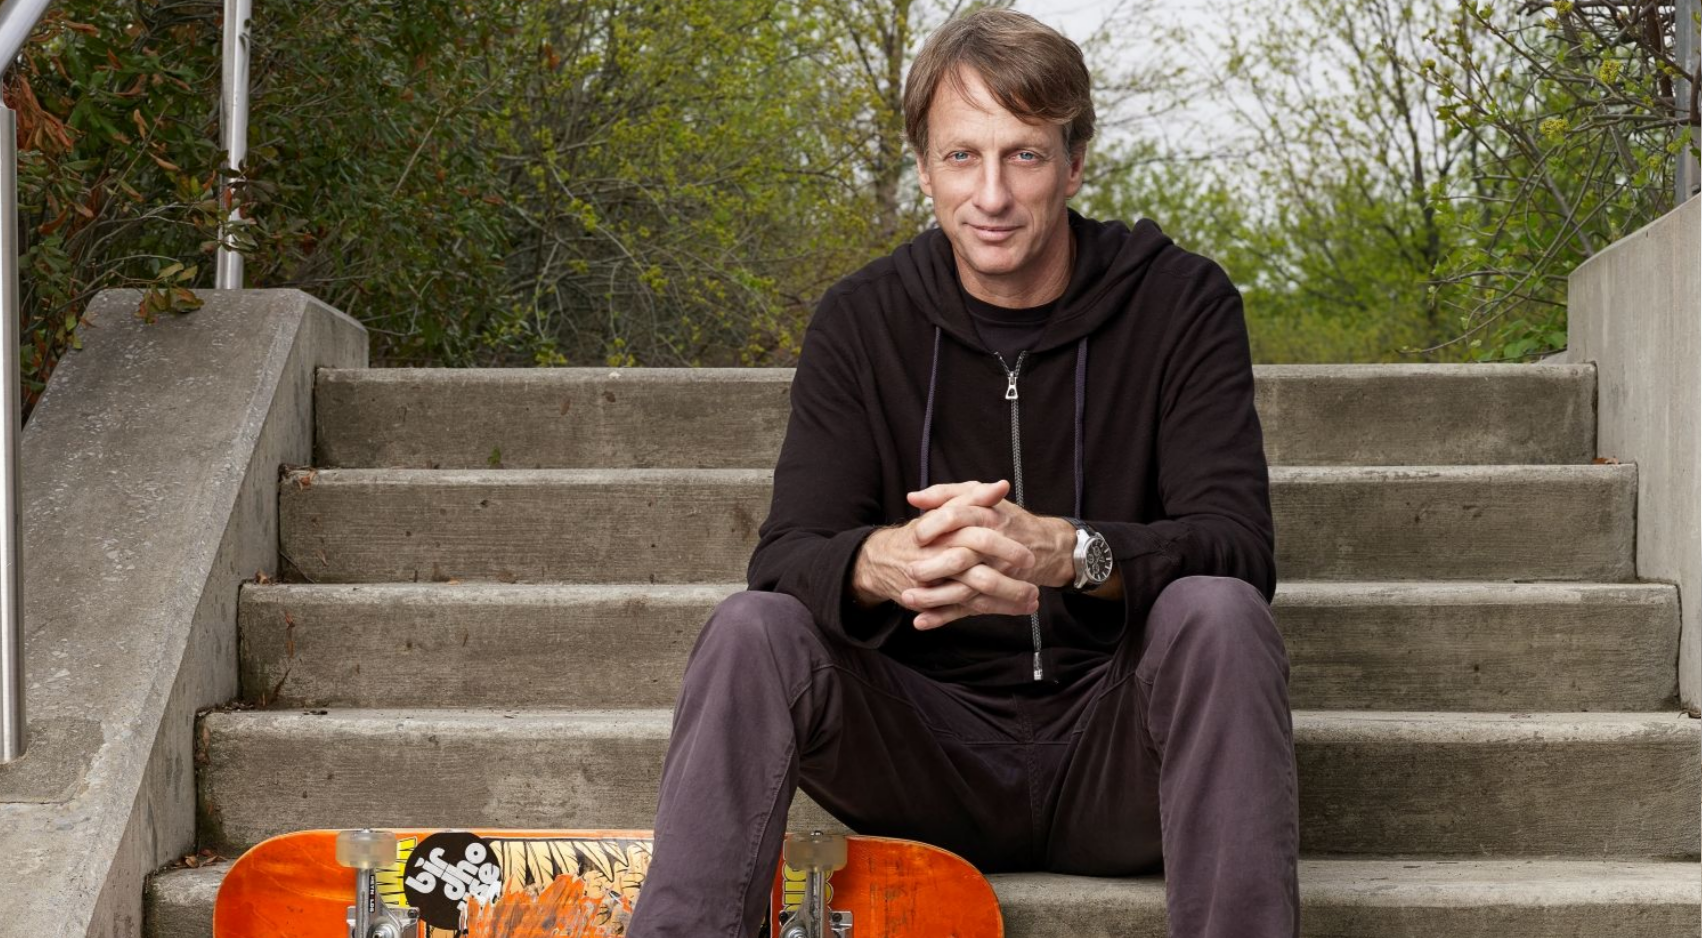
(967, 564)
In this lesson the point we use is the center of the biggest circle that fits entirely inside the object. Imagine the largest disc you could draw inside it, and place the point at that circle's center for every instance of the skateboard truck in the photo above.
(818, 856)
(367, 850)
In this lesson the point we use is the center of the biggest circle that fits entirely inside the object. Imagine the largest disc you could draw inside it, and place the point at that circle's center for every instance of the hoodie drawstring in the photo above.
(1081, 396)
(1081, 399)
(928, 414)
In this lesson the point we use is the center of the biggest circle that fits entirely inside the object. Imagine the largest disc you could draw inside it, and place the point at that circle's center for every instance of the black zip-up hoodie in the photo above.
(1153, 442)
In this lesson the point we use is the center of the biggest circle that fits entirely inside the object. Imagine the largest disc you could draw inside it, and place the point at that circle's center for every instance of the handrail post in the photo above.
(233, 129)
(1686, 47)
(17, 19)
(13, 730)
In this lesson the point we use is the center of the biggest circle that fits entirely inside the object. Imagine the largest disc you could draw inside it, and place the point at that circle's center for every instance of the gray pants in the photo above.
(1175, 754)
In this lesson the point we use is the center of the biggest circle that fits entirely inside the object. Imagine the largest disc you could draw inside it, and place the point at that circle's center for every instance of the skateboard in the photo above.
(577, 884)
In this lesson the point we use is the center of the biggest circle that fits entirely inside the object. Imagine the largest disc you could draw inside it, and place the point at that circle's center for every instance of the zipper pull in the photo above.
(1010, 392)
(1037, 671)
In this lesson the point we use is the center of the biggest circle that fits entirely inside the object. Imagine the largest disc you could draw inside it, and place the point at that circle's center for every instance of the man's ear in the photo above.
(922, 177)
(1078, 159)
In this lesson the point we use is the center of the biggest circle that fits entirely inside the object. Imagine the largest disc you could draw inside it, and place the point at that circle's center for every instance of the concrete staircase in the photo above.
(494, 577)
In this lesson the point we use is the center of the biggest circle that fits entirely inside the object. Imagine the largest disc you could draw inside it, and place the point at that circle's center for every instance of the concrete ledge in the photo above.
(149, 494)
(1635, 310)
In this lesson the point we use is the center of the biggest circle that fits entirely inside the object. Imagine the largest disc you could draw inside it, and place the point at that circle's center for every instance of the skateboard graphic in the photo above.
(577, 884)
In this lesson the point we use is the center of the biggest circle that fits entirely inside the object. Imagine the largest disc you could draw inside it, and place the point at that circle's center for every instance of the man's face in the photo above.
(999, 185)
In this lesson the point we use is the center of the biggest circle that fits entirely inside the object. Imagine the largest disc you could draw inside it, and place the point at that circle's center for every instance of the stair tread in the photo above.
(1323, 725)
(1425, 645)
(1388, 883)
(538, 476)
(1562, 522)
(1401, 412)
(1418, 590)
(1613, 880)
(570, 373)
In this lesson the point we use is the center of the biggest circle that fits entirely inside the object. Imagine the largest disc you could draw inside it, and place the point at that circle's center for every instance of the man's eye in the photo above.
(957, 156)
(1027, 156)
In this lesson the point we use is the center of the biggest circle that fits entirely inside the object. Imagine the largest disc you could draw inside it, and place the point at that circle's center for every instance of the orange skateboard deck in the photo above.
(574, 884)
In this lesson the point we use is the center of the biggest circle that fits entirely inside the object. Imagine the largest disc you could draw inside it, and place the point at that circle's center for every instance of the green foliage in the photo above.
(359, 186)
(1571, 138)
(678, 181)
(1314, 197)
(1398, 181)
(617, 182)
(114, 174)
(380, 192)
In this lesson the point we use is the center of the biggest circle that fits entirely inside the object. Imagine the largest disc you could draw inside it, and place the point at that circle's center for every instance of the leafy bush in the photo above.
(1568, 109)
(622, 182)
(679, 182)
(362, 187)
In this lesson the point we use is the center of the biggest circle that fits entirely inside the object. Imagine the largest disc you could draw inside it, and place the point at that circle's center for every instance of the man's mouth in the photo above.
(993, 232)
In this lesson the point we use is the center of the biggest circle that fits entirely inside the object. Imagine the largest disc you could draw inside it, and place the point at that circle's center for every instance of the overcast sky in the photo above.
(1079, 18)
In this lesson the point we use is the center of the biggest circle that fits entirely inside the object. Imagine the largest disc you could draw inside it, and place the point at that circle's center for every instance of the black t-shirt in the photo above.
(1005, 330)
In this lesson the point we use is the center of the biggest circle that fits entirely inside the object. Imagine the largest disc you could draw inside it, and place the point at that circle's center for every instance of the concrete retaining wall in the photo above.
(150, 473)
(1635, 310)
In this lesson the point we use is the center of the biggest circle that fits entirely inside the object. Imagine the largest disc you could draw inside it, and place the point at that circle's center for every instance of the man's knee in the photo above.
(755, 625)
(1216, 615)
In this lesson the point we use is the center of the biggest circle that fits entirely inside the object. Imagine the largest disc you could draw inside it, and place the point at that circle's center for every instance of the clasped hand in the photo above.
(970, 553)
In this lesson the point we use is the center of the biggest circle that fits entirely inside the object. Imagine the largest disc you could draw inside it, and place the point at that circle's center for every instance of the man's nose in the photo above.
(992, 189)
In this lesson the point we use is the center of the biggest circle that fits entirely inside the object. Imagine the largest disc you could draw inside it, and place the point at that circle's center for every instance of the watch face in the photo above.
(1098, 560)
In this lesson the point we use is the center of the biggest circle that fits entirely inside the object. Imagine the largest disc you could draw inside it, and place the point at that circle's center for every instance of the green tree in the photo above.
(679, 178)
(363, 188)
(107, 123)
(379, 182)
(1316, 196)
(1568, 110)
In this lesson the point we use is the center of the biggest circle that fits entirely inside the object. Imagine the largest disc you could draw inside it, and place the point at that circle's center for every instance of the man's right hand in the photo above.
(988, 557)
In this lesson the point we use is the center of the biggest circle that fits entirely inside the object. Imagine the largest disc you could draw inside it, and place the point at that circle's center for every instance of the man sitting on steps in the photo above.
(1071, 668)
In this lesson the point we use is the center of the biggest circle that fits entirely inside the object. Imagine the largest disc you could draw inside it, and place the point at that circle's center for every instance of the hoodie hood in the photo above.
(1111, 259)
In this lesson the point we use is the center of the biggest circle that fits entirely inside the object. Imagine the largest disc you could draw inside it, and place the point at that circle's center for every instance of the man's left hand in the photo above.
(946, 510)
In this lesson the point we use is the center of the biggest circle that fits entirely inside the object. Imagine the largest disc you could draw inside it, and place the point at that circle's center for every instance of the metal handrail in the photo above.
(17, 19)
(233, 131)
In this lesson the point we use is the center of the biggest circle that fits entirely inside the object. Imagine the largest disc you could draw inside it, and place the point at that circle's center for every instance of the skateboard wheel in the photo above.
(366, 849)
(815, 850)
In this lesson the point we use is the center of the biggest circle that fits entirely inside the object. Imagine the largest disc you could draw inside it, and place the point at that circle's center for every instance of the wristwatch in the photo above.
(1092, 558)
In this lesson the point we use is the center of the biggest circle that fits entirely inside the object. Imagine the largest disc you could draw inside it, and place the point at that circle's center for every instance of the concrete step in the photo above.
(1338, 898)
(1405, 414)
(1579, 786)
(700, 525)
(1390, 645)
(178, 903)
(1393, 899)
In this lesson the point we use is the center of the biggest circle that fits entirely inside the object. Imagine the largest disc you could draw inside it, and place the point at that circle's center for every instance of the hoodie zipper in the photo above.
(1011, 374)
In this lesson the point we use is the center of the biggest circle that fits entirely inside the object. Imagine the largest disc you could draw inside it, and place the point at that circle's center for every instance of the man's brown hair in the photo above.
(1032, 70)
